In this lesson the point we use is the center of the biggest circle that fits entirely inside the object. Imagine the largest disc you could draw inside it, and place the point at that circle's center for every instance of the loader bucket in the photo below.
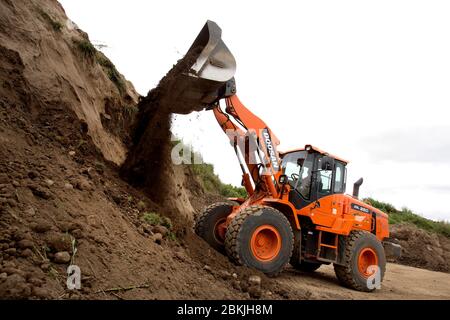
(211, 66)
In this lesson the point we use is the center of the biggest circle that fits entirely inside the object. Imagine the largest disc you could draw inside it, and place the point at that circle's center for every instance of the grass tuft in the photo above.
(111, 71)
(86, 48)
(56, 25)
(155, 219)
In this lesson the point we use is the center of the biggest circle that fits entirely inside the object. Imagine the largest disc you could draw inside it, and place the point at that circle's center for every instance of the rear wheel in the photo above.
(260, 237)
(362, 251)
(210, 224)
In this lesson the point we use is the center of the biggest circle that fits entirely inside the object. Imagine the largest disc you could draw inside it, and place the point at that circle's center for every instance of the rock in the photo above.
(83, 184)
(25, 244)
(16, 184)
(160, 229)
(72, 153)
(236, 284)
(49, 182)
(157, 237)
(180, 256)
(3, 276)
(12, 203)
(33, 174)
(225, 274)
(45, 266)
(41, 226)
(68, 186)
(254, 280)
(59, 241)
(234, 275)
(147, 229)
(207, 268)
(89, 171)
(62, 257)
(11, 251)
(26, 253)
(38, 191)
(41, 293)
(255, 291)
(30, 211)
(77, 233)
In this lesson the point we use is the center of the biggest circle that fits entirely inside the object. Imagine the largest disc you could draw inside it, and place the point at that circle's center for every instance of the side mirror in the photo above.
(327, 163)
(300, 162)
(283, 179)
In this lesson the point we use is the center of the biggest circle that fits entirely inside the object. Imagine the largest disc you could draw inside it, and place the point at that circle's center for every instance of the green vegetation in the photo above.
(90, 52)
(131, 109)
(56, 25)
(86, 48)
(111, 71)
(155, 219)
(406, 215)
(209, 180)
(212, 183)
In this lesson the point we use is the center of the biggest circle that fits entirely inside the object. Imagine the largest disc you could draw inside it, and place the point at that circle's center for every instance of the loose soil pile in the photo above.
(421, 248)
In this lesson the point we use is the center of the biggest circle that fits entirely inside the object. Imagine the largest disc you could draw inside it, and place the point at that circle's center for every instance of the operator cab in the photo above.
(313, 174)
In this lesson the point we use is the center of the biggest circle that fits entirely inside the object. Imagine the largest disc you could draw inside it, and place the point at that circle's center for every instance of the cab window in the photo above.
(299, 176)
(339, 181)
(290, 166)
(324, 179)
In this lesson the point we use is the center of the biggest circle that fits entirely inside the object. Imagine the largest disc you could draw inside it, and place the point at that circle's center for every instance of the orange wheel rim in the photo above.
(367, 257)
(265, 243)
(220, 229)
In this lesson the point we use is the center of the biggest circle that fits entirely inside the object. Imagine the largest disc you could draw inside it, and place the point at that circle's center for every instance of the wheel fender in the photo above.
(286, 208)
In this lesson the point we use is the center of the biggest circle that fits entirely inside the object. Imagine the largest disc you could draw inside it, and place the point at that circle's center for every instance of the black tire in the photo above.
(239, 236)
(348, 273)
(205, 224)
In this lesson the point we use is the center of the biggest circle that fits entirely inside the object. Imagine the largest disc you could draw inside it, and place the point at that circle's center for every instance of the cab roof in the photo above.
(309, 147)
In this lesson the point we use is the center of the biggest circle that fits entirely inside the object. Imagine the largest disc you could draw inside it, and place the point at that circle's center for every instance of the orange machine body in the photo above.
(333, 214)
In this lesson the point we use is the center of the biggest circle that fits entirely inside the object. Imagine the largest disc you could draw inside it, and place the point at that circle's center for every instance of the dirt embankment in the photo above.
(422, 249)
(62, 69)
(61, 199)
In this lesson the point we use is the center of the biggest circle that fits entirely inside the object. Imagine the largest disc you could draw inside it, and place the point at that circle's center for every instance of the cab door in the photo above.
(329, 188)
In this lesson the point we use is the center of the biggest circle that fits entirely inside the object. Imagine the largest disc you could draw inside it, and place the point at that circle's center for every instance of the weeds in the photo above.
(111, 71)
(56, 25)
(155, 219)
(86, 48)
(131, 110)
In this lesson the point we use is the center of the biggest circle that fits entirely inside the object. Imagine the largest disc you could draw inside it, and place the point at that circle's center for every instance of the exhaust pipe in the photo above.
(356, 186)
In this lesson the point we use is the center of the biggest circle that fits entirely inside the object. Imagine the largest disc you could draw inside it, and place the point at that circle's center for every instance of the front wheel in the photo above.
(260, 237)
(363, 256)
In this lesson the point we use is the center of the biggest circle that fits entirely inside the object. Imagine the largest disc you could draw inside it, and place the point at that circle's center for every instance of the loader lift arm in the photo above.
(255, 145)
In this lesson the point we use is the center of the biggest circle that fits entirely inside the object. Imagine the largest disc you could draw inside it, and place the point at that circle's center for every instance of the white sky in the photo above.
(366, 80)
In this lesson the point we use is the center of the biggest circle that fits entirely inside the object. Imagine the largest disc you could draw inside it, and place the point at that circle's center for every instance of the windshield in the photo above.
(299, 174)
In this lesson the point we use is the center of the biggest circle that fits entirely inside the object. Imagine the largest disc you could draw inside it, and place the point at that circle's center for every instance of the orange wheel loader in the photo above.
(296, 210)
